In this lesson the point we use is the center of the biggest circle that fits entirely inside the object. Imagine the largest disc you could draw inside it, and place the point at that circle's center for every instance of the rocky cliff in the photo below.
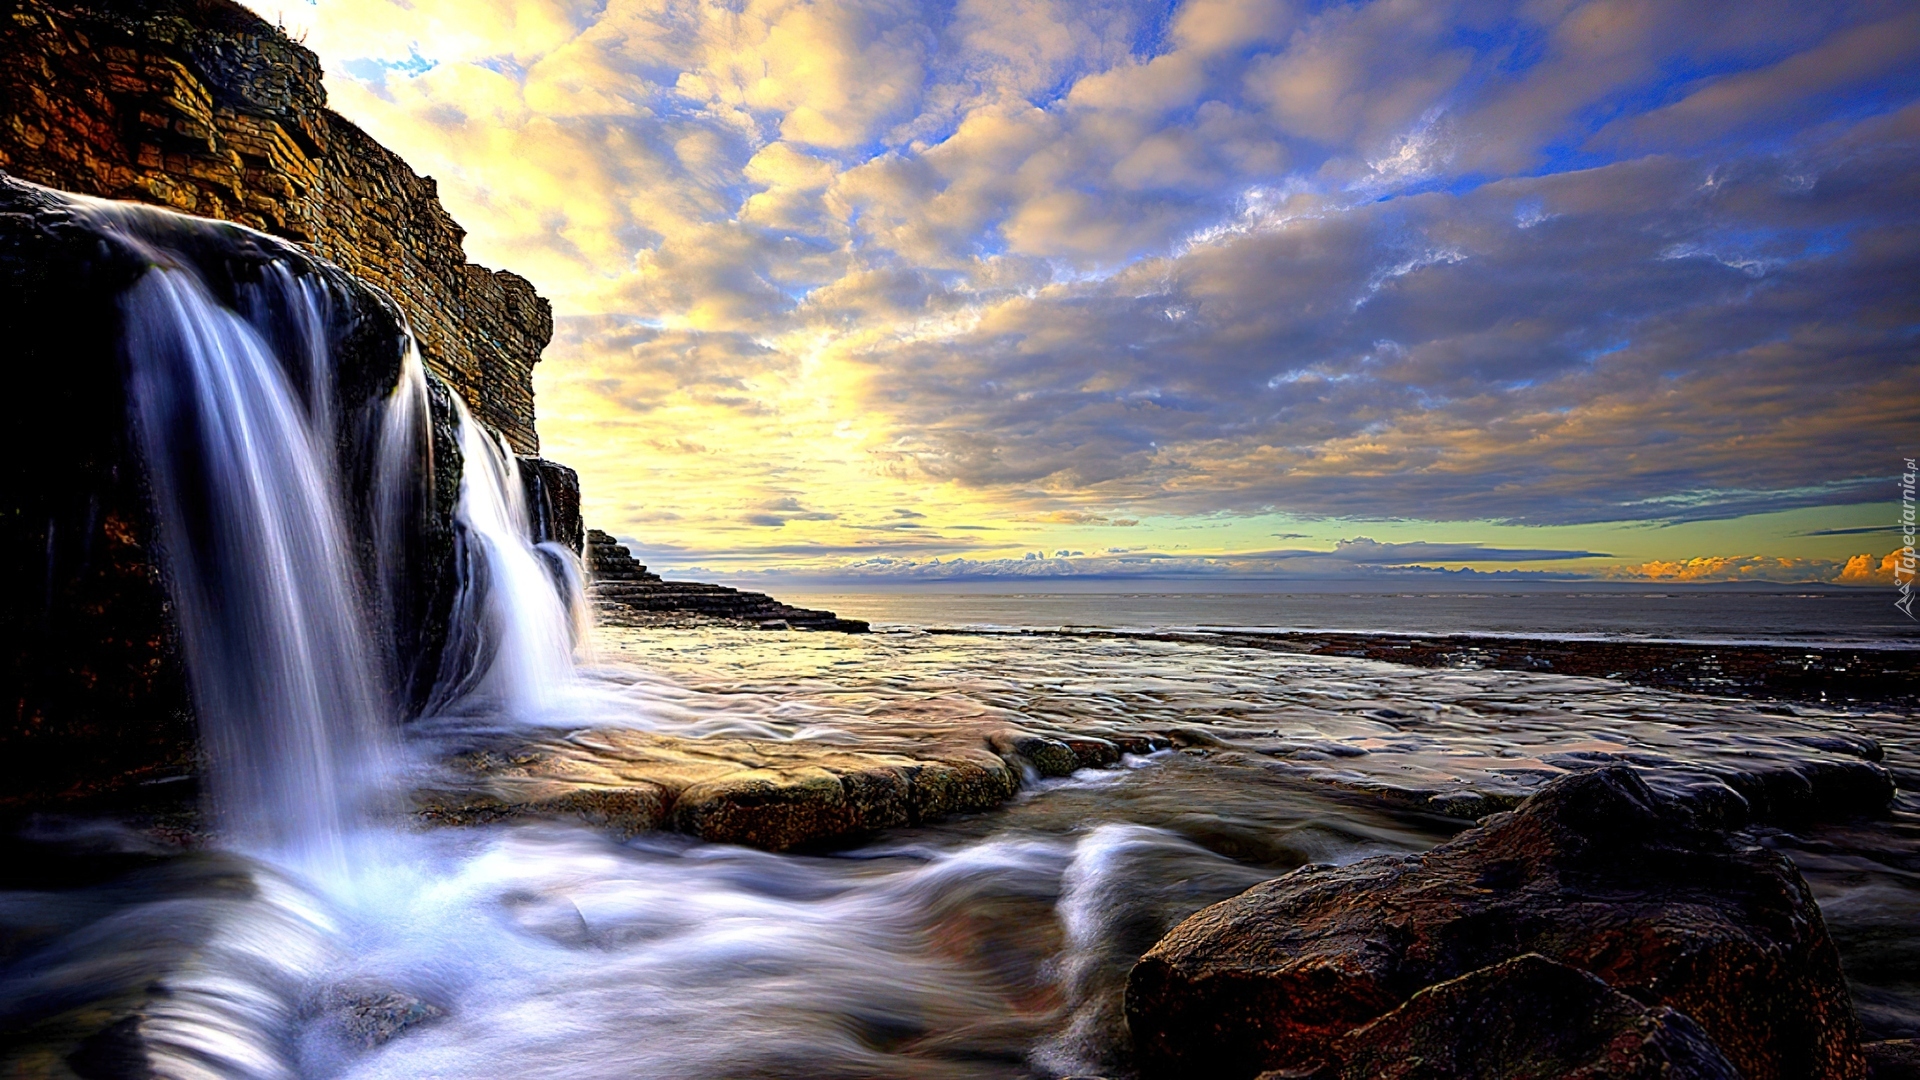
(202, 107)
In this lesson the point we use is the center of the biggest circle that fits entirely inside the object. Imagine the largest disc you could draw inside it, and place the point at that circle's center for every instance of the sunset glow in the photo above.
(893, 291)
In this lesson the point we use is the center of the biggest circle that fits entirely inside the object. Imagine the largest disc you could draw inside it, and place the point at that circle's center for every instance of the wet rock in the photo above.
(1137, 744)
(625, 809)
(115, 1052)
(1092, 753)
(960, 783)
(1526, 1017)
(1594, 871)
(364, 1016)
(553, 502)
(779, 809)
(767, 794)
(1045, 756)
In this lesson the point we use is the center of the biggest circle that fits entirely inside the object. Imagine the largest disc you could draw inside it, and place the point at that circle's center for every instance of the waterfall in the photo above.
(295, 526)
(514, 624)
(256, 556)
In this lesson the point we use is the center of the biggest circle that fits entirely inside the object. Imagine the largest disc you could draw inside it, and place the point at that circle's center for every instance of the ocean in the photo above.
(1810, 616)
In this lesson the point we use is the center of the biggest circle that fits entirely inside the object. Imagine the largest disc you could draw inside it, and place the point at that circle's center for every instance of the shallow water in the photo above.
(1433, 733)
(994, 945)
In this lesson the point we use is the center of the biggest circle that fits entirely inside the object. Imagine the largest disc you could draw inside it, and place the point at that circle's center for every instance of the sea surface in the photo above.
(1679, 613)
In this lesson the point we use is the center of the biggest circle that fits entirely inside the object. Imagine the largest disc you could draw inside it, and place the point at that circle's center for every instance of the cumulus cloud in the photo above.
(1862, 569)
(1039, 265)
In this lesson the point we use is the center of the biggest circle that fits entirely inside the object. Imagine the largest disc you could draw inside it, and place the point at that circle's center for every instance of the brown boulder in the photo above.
(1043, 755)
(1593, 871)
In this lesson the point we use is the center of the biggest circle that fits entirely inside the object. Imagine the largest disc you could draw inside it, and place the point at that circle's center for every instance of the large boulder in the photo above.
(1593, 872)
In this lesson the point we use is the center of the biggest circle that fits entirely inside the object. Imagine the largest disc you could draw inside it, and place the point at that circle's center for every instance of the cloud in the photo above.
(1024, 265)
(1861, 569)
(1433, 359)
(1083, 517)
(1861, 530)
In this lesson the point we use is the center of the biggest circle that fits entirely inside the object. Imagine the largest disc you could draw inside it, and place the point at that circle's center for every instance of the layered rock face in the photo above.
(1595, 873)
(625, 592)
(202, 107)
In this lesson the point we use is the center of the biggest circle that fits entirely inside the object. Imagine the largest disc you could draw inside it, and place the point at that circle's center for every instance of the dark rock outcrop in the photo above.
(1525, 1017)
(553, 502)
(625, 592)
(201, 106)
(1594, 872)
(87, 667)
(1894, 1059)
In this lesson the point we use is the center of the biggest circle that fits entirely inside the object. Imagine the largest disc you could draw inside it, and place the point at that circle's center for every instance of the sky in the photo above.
(902, 292)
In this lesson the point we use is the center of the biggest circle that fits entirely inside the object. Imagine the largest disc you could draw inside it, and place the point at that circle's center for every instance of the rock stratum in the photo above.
(625, 592)
(202, 107)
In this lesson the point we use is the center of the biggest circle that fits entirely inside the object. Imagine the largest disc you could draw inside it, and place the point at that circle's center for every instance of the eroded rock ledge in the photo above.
(627, 594)
(771, 794)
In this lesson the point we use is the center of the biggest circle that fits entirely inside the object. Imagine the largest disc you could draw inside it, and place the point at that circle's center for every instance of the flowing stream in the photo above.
(324, 935)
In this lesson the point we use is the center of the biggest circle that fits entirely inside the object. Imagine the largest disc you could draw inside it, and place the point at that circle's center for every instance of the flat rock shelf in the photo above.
(890, 729)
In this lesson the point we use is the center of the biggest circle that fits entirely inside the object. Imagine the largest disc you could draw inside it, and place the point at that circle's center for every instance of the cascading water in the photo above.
(258, 563)
(297, 673)
(514, 623)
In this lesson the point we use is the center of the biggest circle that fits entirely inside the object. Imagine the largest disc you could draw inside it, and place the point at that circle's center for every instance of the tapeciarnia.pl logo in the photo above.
(1903, 568)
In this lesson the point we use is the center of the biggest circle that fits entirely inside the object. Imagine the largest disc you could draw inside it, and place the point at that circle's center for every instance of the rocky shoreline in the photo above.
(625, 593)
(1805, 673)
